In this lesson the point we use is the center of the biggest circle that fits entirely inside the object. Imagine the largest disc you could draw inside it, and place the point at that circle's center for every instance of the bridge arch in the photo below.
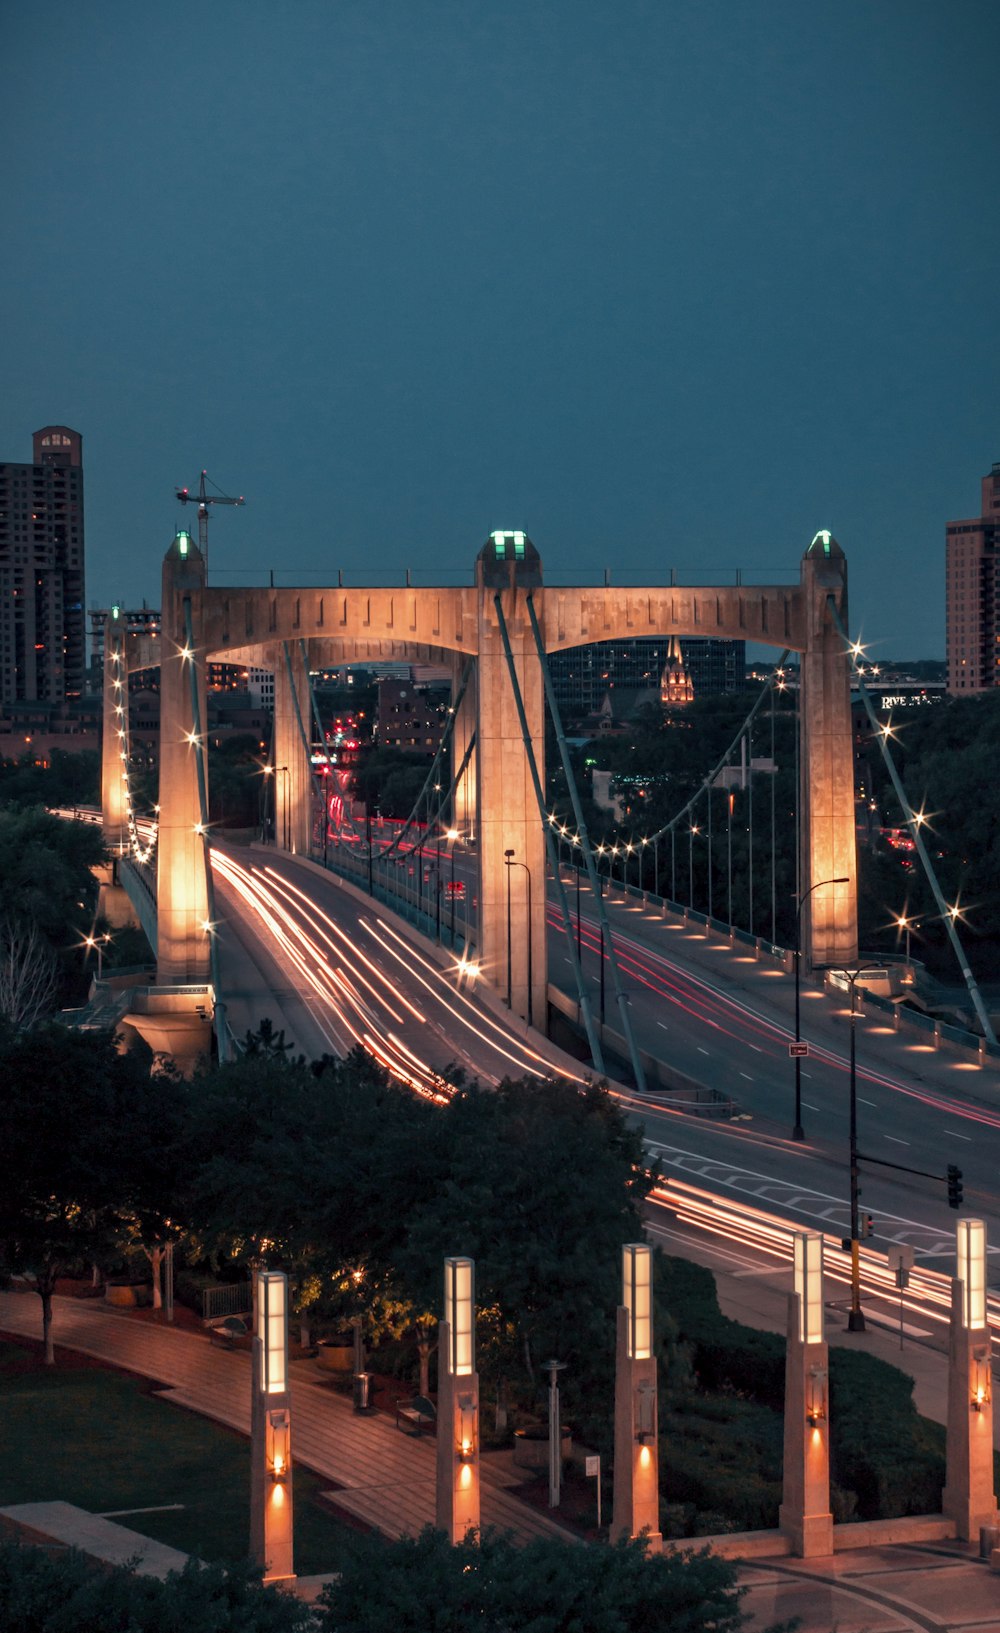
(339, 624)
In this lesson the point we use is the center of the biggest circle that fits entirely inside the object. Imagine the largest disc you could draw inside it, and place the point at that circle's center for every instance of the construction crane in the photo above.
(203, 500)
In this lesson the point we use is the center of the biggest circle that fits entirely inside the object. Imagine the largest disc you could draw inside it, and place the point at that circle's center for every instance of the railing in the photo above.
(418, 907)
(234, 1299)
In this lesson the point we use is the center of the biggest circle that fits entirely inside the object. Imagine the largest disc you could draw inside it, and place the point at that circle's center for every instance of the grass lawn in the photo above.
(104, 1440)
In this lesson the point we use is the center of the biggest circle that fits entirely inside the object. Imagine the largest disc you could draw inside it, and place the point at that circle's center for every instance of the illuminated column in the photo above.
(182, 893)
(636, 1496)
(114, 734)
(270, 1432)
(463, 806)
(969, 1497)
(508, 813)
(805, 1514)
(292, 784)
(458, 1405)
(826, 776)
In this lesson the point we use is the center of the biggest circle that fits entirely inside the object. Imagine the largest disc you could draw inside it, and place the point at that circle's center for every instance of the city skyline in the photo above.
(669, 289)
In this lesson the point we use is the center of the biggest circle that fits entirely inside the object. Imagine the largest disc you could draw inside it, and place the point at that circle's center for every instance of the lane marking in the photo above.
(702, 1051)
(809, 1107)
(956, 1136)
(894, 1140)
(747, 1076)
(664, 1025)
(866, 1102)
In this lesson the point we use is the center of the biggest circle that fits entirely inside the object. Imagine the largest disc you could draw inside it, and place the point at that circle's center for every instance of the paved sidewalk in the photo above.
(386, 1477)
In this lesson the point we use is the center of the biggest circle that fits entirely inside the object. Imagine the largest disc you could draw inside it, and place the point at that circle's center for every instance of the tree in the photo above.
(28, 979)
(546, 1587)
(541, 1183)
(46, 866)
(49, 1592)
(81, 1161)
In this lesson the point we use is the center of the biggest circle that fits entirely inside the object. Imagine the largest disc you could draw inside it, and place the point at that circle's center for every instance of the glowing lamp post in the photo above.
(969, 1498)
(270, 1432)
(805, 1515)
(636, 1497)
(457, 1492)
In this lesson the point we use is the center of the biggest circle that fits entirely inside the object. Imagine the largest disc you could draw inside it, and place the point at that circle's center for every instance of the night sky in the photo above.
(665, 284)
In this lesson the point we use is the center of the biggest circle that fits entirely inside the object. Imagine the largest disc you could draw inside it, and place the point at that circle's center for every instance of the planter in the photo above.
(336, 1357)
(531, 1448)
(122, 1295)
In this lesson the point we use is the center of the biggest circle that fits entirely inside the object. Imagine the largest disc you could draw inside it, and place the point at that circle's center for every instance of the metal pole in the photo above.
(656, 865)
(506, 856)
(531, 1018)
(730, 796)
(578, 951)
(673, 864)
(555, 1433)
(750, 821)
(690, 863)
(602, 974)
(710, 852)
(797, 1131)
(856, 1320)
(453, 893)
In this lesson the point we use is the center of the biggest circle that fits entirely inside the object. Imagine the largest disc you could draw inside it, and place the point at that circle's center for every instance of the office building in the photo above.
(42, 626)
(972, 595)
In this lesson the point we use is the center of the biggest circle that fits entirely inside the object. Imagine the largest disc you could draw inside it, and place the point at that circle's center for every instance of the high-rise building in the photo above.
(972, 595)
(583, 675)
(42, 624)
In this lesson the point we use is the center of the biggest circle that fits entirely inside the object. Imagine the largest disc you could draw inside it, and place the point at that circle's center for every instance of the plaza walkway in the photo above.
(383, 1476)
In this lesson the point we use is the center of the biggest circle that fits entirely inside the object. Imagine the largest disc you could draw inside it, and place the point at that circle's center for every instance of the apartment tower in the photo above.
(972, 595)
(42, 624)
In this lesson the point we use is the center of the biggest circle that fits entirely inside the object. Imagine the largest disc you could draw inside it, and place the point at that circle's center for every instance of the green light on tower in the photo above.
(183, 543)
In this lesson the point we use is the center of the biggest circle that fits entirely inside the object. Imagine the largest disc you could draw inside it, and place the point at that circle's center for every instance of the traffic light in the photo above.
(954, 1186)
(867, 1225)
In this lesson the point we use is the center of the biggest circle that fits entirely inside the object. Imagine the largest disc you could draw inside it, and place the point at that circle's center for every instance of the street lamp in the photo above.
(855, 1320)
(508, 857)
(797, 1131)
(451, 834)
(97, 944)
(903, 922)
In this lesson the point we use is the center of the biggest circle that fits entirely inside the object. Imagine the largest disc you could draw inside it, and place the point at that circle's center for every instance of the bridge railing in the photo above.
(393, 885)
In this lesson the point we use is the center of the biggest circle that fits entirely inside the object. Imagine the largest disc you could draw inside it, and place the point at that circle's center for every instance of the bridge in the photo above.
(495, 634)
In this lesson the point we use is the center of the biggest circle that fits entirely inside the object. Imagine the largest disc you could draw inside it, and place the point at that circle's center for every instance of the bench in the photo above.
(418, 1413)
(227, 1330)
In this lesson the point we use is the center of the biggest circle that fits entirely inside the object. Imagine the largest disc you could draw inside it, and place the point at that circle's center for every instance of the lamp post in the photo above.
(97, 944)
(692, 830)
(555, 1430)
(451, 834)
(855, 1320)
(508, 857)
(903, 922)
(797, 1131)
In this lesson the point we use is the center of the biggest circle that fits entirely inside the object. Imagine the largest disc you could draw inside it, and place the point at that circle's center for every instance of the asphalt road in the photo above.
(718, 1015)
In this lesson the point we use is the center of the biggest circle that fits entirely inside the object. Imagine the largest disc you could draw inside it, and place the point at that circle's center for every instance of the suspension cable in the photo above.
(914, 824)
(212, 928)
(446, 737)
(620, 996)
(596, 1053)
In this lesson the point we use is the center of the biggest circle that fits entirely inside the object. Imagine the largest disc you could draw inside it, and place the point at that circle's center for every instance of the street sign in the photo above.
(798, 1049)
(592, 1467)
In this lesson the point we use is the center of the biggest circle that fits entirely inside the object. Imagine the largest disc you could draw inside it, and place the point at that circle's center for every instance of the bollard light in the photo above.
(816, 1396)
(971, 1237)
(272, 1330)
(981, 1378)
(459, 1306)
(277, 1445)
(807, 1260)
(467, 1414)
(645, 1414)
(637, 1297)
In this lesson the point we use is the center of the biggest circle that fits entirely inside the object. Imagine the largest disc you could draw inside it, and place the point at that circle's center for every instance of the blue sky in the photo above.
(664, 284)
